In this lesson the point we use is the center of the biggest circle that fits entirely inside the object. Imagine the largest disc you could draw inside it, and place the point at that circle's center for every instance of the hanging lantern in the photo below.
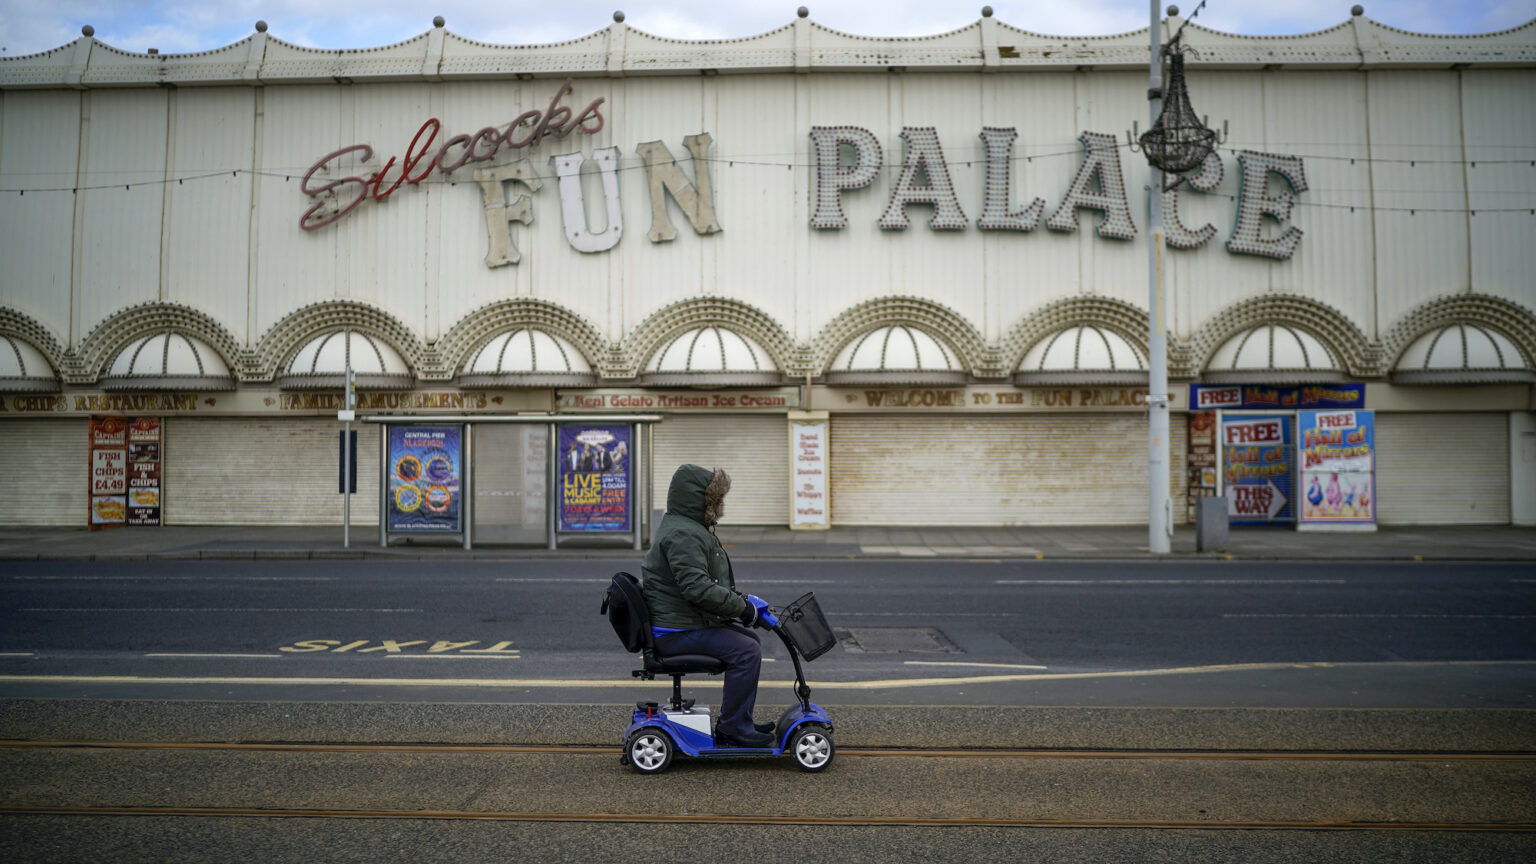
(1178, 142)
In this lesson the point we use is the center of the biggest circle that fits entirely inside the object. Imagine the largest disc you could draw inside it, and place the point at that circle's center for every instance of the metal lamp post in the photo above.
(1176, 142)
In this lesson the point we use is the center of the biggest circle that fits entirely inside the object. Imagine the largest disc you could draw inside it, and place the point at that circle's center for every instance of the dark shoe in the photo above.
(766, 728)
(751, 739)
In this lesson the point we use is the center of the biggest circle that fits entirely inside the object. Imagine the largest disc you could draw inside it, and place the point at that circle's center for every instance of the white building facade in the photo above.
(932, 251)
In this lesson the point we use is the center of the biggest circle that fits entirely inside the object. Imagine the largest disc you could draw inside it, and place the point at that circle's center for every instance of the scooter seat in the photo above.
(682, 664)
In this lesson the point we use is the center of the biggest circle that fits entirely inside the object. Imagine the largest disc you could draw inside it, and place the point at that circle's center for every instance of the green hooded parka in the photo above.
(688, 583)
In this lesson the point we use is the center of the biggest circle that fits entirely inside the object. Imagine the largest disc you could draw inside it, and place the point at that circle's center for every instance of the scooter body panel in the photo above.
(690, 730)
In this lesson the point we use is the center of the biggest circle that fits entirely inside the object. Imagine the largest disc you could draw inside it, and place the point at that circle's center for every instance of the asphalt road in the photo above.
(912, 632)
(357, 651)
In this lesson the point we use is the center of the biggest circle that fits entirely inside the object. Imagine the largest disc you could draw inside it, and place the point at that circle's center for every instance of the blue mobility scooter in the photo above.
(658, 732)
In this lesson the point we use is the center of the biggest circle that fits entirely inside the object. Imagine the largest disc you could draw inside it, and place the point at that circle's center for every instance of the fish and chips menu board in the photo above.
(125, 464)
(145, 443)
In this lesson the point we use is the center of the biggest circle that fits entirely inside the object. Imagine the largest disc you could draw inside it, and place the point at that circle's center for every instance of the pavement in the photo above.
(1093, 543)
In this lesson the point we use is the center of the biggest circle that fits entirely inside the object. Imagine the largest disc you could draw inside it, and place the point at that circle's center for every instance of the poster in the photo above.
(809, 447)
(145, 467)
(424, 472)
(1338, 459)
(1256, 462)
(108, 455)
(1201, 459)
(594, 478)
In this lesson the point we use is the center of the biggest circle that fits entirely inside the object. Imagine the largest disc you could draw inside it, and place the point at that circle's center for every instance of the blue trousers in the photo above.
(742, 652)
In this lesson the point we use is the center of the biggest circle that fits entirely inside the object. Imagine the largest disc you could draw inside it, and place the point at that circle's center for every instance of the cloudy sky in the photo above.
(176, 26)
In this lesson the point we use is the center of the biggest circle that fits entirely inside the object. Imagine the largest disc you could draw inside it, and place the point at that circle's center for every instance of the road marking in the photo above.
(189, 654)
(19, 654)
(207, 609)
(1170, 582)
(925, 614)
(1435, 615)
(978, 665)
(454, 656)
(173, 578)
(631, 684)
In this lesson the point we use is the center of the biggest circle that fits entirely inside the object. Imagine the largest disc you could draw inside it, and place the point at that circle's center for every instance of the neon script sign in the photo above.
(556, 121)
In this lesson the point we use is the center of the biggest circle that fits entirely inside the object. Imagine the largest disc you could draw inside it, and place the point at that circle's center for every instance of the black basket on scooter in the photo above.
(807, 628)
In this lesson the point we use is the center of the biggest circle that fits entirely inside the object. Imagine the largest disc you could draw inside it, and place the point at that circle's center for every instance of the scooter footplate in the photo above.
(739, 751)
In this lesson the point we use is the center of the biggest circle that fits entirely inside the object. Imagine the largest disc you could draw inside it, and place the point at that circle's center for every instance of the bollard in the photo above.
(1211, 524)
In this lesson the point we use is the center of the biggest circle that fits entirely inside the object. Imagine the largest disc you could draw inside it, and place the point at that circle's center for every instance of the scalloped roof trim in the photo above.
(1141, 32)
(274, 42)
(143, 55)
(976, 25)
(599, 34)
(763, 35)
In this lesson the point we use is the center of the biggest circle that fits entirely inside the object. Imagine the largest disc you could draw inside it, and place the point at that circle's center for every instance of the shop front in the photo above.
(874, 288)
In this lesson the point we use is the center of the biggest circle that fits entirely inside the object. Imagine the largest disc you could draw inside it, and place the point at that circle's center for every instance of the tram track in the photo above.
(772, 820)
(1407, 794)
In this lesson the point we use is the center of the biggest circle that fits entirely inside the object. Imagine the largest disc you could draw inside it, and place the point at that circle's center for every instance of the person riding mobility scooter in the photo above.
(688, 617)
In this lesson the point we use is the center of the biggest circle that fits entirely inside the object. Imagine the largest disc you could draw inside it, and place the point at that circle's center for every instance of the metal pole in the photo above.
(552, 490)
(346, 461)
(1159, 507)
(346, 486)
(384, 469)
(467, 478)
(634, 487)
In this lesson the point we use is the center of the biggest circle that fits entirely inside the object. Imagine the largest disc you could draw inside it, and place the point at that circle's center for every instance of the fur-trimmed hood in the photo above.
(698, 493)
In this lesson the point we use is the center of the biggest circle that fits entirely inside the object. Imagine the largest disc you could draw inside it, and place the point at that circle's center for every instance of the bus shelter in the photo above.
(540, 479)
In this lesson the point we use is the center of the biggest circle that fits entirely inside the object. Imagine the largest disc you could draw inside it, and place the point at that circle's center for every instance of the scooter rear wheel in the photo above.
(811, 747)
(649, 751)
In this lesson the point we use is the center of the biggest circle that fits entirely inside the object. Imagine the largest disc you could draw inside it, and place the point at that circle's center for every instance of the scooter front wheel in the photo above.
(649, 751)
(811, 747)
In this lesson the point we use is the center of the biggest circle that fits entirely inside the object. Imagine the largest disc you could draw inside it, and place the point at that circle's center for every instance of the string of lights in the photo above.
(732, 162)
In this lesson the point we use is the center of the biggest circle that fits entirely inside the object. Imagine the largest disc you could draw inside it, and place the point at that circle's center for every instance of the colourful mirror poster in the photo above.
(1338, 456)
(424, 479)
(596, 492)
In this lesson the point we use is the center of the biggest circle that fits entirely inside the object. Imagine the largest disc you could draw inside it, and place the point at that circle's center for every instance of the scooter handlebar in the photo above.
(765, 618)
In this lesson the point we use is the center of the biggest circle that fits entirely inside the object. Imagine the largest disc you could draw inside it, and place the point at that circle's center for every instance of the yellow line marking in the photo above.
(511, 683)
(973, 665)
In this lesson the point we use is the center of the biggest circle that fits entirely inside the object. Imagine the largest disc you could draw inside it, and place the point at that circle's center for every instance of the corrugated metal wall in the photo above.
(420, 253)
(37, 148)
(1013, 470)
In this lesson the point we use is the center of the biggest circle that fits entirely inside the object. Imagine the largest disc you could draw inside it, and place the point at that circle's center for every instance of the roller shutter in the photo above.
(242, 471)
(49, 472)
(1442, 469)
(1031, 469)
(754, 450)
